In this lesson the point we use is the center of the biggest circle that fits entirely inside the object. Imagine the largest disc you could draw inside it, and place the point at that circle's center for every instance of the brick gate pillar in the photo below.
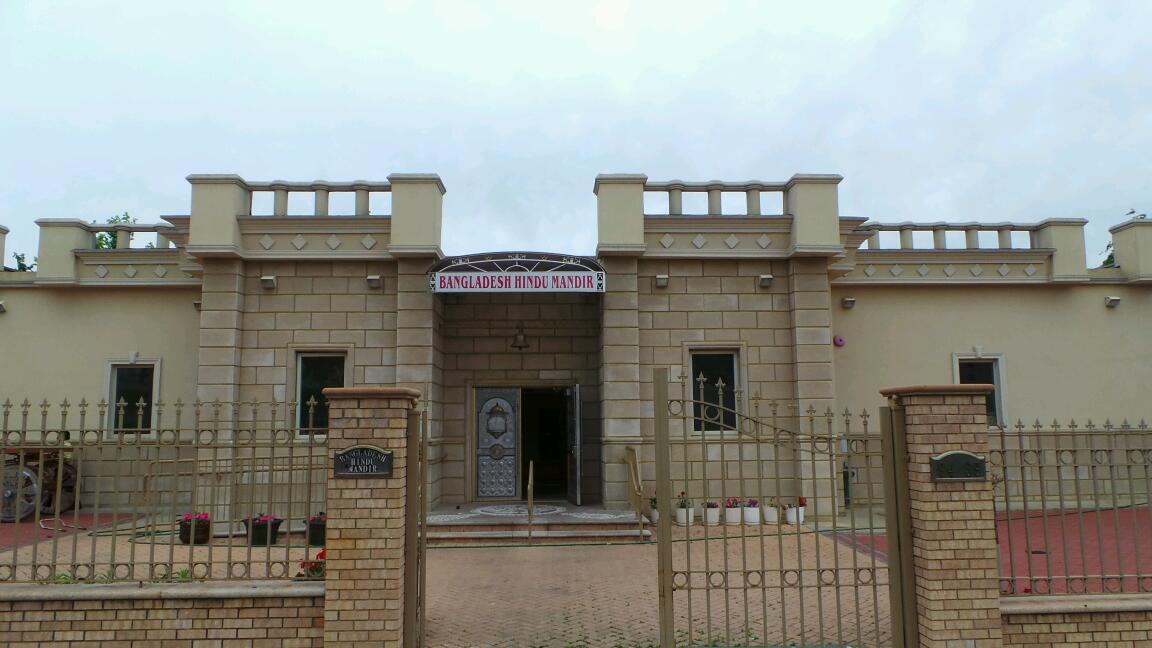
(365, 541)
(952, 524)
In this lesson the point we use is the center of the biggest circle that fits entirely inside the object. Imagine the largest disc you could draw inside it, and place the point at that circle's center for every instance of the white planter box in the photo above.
(711, 516)
(685, 516)
(752, 515)
(654, 516)
(794, 515)
(732, 515)
(771, 514)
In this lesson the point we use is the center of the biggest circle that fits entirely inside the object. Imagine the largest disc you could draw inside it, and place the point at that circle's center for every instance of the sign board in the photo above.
(517, 281)
(363, 461)
(959, 466)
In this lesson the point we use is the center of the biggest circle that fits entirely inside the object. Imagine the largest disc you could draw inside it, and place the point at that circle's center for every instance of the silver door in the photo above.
(575, 449)
(497, 443)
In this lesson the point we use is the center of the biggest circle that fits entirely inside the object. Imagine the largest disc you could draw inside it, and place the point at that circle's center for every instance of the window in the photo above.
(714, 381)
(132, 384)
(315, 371)
(982, 371)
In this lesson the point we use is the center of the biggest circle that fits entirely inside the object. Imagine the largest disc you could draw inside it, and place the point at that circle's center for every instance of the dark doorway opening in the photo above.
(544, 434)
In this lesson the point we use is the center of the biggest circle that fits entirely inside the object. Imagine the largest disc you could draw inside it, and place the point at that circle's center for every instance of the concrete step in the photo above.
(518, 535)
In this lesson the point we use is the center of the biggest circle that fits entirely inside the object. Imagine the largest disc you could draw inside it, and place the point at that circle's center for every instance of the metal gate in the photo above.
(771, 526)
(415, 528)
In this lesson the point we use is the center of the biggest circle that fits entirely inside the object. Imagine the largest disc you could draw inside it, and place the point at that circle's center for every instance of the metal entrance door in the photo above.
(575, 447)
(497, 443)
(772, 525)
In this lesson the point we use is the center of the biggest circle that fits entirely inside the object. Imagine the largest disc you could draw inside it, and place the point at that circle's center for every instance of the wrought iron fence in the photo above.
(161, 492)
(1072, 507)
(771, 522)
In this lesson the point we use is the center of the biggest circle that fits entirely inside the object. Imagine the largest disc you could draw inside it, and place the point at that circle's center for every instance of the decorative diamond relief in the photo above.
(333, 242)
(267, 242)
(976, 271)
(732, 241)
(763, 241)
(101, 271)
(368, 242)
(896, 270)
(160, 271)
(130, 271)
(922, 270)
(299, 242)
(870, 270)
(667, 240)
(949, 270)
(1029, 269)
(1003, 269)
(699, 241)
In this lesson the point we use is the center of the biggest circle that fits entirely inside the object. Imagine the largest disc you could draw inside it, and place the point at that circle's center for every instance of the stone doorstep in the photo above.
(1075, 604)
(204, 590)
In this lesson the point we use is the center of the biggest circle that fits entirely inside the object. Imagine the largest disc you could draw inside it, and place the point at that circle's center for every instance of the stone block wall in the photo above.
(1074, 629)
(563, 334)
(119, 616)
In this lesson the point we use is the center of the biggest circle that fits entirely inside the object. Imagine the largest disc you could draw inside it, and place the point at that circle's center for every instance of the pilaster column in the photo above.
(952, 524)
(619, 367)
(221, 312)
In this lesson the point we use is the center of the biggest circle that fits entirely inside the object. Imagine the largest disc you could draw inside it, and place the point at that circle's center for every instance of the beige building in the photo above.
(769, 293)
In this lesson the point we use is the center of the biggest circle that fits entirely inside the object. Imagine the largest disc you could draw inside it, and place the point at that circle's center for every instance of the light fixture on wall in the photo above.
(374, 281)
(660, 281)
(268, 282)
(197, 304)
(3, 308)
(847, 302)
(1111, 301)
(519, 340)
(766, 280)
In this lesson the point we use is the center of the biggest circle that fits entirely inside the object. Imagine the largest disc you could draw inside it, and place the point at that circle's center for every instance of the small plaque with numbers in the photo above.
(959, 466)
(363, 461)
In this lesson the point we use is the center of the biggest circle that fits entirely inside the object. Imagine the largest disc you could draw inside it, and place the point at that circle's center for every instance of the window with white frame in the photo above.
(713, 377)
(983, 371)
(133, 389)
(315, 372)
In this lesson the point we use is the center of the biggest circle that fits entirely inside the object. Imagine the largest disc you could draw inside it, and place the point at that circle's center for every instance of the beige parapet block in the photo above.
(216, 202)
(3, 236)
(1132, 245)
(366, 570)
(1065, 237)
(813, 203)
(620, 213)
(59, 237)
(417, 214)
(955, 561)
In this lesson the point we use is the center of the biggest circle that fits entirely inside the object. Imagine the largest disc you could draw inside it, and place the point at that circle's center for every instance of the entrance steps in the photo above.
(553, 524)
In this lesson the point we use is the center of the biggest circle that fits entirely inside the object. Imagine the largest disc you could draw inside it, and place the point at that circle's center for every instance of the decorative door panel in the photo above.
(497, 442)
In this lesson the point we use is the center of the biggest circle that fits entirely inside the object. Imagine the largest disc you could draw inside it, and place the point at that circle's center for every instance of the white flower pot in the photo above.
(794, 515)
(711, 516)
(752, 515)
(654, 516)
(771, 514)
(732, 515)
(685, 516)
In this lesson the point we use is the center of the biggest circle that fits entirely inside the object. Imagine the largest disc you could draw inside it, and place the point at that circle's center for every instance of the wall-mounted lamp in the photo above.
(519, 340)
(374, 281)
(766, 281)
(268, 282)
(197, 304)
(847, 302)
(660, 281)
(1111, 301)
(3, 308)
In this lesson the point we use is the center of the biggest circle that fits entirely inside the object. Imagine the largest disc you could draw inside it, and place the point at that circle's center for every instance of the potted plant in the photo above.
(317, 525)
(196, 528)
(752, 511)
(684, 511)
(771, 511)
(711, 513)
(313, 569)
(653, 514)
(262, 530)
(795, 514)
(732, 510)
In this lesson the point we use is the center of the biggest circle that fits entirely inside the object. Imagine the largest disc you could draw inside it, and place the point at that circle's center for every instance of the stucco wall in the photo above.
(1064, 354)
(57, 343)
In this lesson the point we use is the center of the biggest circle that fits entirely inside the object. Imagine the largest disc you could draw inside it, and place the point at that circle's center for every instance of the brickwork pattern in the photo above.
(953, 524)
(364, 593)
(1076, 629)
(122, 623)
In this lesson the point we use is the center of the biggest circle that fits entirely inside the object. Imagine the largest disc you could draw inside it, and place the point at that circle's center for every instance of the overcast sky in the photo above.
(931, 111)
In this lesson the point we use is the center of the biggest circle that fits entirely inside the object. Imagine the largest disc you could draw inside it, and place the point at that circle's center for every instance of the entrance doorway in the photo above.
(516, 426)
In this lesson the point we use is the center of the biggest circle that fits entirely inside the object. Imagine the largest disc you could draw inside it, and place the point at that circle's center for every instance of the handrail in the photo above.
(531, 481)
(637, 495)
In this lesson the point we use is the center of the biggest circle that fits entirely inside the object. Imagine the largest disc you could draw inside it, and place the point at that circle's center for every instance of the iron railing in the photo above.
(160, 492)
(1072, 507)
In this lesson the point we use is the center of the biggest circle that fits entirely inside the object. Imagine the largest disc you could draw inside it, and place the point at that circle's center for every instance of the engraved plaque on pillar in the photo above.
(497, 443)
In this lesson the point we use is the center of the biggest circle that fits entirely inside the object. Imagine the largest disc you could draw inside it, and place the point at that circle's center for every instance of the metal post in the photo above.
(898, 516)
(664, 503)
